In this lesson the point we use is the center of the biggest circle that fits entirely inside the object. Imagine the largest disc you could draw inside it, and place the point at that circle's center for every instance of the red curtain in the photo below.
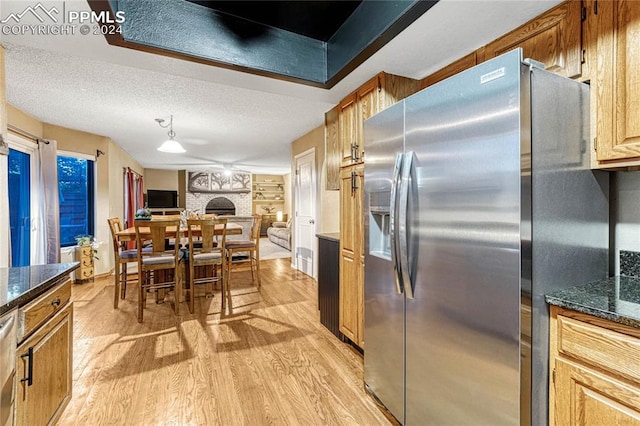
(139, 192)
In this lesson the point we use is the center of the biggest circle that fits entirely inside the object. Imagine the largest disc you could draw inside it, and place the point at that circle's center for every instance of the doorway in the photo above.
(20, 207)
(304, 254)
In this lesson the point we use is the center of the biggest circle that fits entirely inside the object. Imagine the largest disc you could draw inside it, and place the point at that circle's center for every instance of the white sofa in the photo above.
(280, 233)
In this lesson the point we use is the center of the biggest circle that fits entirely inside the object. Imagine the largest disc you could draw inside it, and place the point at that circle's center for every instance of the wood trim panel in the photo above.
(395, 88)
(461, 64)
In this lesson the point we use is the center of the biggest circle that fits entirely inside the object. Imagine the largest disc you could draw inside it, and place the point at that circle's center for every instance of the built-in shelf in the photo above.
(267, 190)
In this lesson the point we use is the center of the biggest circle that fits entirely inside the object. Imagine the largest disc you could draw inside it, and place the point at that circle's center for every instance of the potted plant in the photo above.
(88, 240)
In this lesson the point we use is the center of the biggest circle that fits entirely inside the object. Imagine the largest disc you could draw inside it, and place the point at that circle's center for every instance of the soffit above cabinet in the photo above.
(315, 43)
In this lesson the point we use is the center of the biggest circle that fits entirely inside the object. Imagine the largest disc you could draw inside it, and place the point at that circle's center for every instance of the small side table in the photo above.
(84, 255)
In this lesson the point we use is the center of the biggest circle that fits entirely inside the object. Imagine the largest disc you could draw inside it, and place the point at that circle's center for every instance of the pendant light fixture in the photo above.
(171, 145)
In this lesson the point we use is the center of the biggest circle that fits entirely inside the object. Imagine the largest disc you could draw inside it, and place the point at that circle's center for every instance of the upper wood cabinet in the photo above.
(348, 110)
(553, 38)
(333, 152)
(451, 69)
(617, 87)
(372, 97)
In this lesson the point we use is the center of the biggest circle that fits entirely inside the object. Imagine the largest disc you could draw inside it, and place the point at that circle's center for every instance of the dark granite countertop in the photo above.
(615, 299)
(19, 286)
(333, 236)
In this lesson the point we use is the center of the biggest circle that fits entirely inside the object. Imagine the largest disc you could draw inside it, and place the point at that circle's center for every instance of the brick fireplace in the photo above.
(197, 201)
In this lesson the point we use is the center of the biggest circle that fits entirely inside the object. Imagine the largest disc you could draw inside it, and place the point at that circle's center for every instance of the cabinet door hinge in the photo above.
(595, 144)
(553, 376)
(584, 55)
(584, 14)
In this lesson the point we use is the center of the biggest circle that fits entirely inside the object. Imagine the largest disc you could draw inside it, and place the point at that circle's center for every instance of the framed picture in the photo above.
(213, 182)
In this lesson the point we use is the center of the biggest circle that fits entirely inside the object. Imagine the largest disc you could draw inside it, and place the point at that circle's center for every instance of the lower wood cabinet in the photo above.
(352, 254)
(43, 370)
(588, 397)
(595, 367)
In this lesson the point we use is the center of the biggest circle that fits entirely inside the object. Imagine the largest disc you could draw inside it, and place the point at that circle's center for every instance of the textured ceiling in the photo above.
(221, 116)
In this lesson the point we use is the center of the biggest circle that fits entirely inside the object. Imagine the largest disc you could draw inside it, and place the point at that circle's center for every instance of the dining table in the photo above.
(129, 234)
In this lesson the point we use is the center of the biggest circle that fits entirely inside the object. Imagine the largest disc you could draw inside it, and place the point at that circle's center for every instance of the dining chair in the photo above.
(250, 247)
(122, 257)
(156, 258)
(169, 242)
(206, 248)
(165, 216)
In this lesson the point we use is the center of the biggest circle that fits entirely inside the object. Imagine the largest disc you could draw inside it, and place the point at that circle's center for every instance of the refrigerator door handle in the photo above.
(406, 183)
(393, 234)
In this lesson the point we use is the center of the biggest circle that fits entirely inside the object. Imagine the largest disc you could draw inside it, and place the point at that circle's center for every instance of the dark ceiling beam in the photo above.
(189, 31)
(372, 25)
(197, 31)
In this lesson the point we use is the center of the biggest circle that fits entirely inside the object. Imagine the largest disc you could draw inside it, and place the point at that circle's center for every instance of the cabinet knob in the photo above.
(56, 302)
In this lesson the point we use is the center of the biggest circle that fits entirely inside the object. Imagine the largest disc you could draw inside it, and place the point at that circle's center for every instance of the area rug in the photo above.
(269, 250)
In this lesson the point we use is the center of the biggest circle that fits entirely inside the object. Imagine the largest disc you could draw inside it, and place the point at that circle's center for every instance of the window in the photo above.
(76, 192)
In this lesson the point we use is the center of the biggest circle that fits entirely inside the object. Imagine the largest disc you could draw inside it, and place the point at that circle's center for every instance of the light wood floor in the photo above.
(270, 361)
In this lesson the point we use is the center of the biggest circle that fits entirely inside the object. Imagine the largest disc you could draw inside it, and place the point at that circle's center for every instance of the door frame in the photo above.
(314, 208)
(30, 147)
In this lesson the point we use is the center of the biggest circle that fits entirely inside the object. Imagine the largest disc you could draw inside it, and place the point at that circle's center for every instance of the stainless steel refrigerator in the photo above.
(478, 201)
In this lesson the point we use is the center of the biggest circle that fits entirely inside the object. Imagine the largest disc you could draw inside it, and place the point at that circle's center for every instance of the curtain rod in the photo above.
(21, 132)
(132, 171)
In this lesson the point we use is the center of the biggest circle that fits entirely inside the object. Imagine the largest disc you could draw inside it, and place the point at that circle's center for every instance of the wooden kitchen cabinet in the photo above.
(553, 38)
(333, 151)
(595, 367)
(352, 254)
(348, 131)
(372, 97)
(617, 87)
(84, 255)
(378, 93)
(43, 369)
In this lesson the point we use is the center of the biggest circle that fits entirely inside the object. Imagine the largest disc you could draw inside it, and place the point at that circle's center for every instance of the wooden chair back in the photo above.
(203, 231)
(116, 226)
(159, 231)
(156, 217)
(155, 258)
(255, 228)
(207, 240)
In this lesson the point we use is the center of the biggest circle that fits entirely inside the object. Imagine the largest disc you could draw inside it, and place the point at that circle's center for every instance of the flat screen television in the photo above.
(161, 199)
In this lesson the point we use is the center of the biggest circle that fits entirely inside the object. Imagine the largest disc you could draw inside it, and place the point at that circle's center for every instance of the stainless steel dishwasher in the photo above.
(8, 326)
